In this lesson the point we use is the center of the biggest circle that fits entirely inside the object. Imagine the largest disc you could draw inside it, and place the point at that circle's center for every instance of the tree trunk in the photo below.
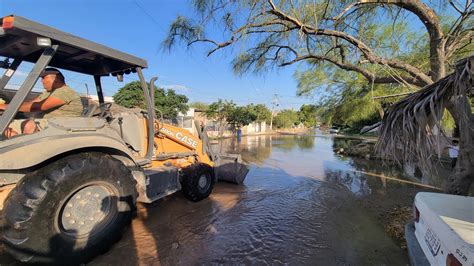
(437, 59)
(460, 181)
(437, 41)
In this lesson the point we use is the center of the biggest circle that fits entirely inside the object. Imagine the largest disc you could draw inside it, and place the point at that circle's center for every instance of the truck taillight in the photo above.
(416, 213)
(452, 261)
(7, 22)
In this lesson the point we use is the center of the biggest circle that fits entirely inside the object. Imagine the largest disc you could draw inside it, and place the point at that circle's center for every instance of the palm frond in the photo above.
(411, 132)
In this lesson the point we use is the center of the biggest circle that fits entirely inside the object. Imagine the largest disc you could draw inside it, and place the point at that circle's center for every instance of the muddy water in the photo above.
(300, 204)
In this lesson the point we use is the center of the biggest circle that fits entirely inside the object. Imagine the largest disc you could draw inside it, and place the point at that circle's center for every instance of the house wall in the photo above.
(255, 127)
(187, 121)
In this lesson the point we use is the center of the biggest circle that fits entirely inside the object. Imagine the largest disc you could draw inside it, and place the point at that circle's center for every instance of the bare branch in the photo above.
(221, 45)
(349, 7)
(351, 67)
(331, 39)
(456, 30)
(237, 33)
(366, 50)
(429, 18)
(202, 40)
(455, 44)
(455, 7)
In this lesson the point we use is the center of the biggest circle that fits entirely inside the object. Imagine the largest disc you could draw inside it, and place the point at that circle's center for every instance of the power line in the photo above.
(149, 16)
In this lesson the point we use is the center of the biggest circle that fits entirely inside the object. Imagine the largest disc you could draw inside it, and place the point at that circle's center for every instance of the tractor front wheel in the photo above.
(197, 182)
(70, 210)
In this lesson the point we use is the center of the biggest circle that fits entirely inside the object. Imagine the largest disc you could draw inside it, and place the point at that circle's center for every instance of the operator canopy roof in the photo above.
(19, 37)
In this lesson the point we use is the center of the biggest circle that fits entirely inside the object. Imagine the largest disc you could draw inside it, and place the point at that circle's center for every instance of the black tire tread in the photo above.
(25, 200)
(190, 178)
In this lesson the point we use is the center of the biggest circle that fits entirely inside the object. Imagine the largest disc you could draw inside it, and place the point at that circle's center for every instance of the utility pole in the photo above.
(274, 103)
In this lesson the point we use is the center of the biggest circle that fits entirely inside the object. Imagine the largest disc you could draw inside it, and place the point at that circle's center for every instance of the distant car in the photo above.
(442, 232)
(334, 130)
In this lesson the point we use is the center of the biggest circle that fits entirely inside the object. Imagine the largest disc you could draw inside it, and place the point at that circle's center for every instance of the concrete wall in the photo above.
(255, 127)
(187, 120)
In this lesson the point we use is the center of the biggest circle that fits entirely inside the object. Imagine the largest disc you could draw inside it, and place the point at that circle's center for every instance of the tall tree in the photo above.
(220, 111)
(347, 35)
(241, 116)
(130, 96)
(167, 101)
(170, 103)
(260, 112)
(286, 119)
(199, 106)
(307, 115)
(340, 33)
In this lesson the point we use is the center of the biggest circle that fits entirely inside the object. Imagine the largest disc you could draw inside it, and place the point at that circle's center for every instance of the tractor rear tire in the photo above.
(69, 210)
(197, 182)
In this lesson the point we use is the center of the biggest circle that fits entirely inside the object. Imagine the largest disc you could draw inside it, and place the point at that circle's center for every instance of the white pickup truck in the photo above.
(442, 232)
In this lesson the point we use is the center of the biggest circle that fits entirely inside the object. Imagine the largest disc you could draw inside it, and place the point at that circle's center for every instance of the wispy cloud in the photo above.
(177, 87)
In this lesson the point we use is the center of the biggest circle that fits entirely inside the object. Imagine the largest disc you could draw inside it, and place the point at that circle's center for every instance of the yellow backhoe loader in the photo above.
(67, 191)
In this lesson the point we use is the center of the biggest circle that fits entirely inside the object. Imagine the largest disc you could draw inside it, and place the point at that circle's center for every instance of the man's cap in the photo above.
(51, 70)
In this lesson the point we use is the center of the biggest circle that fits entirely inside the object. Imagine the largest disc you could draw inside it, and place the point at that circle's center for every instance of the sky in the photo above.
(138, 27)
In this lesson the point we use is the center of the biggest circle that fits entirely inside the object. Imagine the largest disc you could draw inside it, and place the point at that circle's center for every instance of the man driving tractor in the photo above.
(58, 99)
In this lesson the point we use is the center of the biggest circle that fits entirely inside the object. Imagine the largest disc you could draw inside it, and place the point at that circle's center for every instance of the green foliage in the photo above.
(183, 28)
(286, 119)
(344, 98)
(199, 106)
(241, 116)
(130, 96)
(167, 101)
(308, 114)
(447, 122)
(260, 112)
(227, 112)
(220, 110)
(268, 38)
(271, 34)
(170, 103)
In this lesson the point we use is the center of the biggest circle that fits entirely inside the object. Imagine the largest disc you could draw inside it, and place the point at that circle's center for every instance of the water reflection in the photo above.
(296, 207)
(354, 182)
(300, 204)
(408, 172)
(289, 143)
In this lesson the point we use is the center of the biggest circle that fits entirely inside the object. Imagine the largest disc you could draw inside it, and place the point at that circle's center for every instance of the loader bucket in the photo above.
(230, 168)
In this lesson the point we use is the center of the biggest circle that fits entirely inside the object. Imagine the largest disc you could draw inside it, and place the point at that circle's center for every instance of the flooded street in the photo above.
(118, 119)
(300, 204)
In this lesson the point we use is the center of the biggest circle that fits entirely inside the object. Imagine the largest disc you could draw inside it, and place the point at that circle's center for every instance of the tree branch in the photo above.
(429, 18)
(454, 45)
(351, 67)
(456, 30)
(366, 50)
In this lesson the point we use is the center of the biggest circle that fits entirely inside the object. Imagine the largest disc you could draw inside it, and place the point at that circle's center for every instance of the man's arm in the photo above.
(36, 106)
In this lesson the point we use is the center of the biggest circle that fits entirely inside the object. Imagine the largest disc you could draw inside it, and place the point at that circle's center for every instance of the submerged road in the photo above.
(300, 204)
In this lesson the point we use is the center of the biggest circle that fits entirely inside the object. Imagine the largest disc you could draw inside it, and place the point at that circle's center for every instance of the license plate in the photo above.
(432, 241)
